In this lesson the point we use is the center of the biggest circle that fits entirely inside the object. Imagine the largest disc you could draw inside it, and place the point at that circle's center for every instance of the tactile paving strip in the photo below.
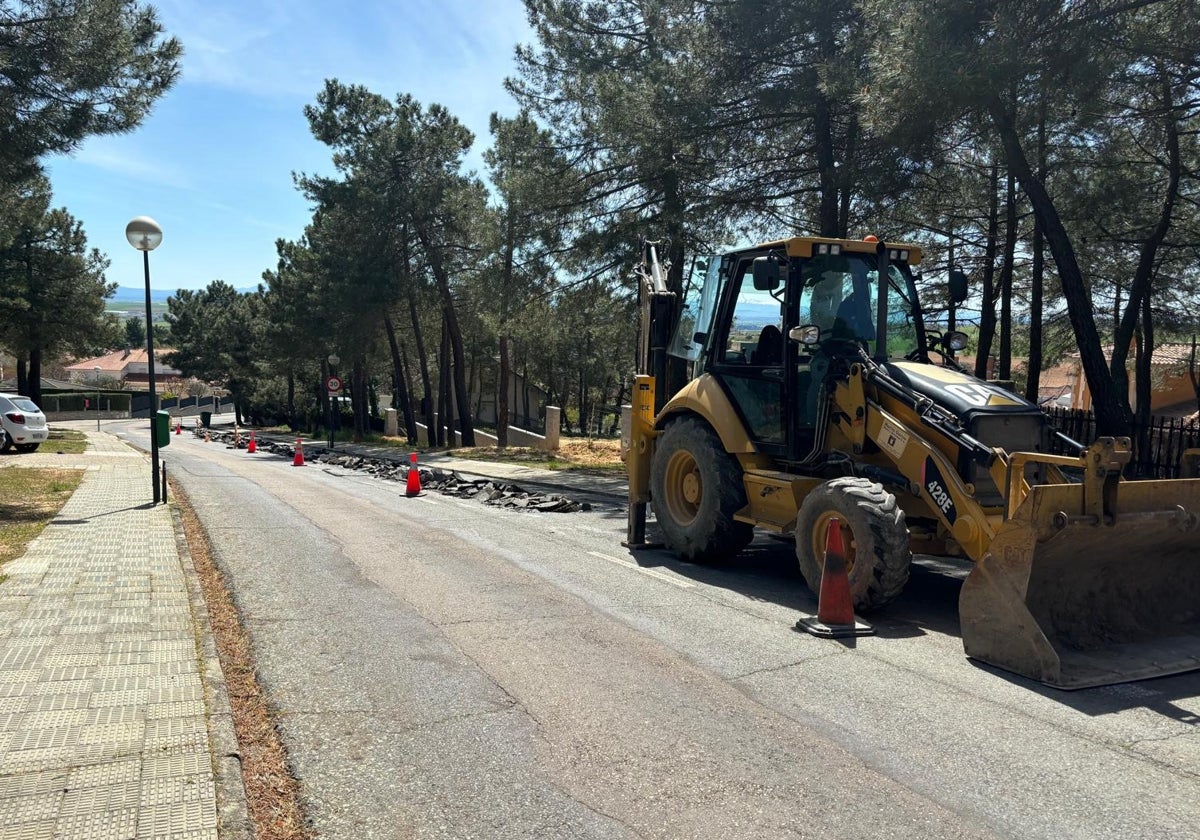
(102, 717)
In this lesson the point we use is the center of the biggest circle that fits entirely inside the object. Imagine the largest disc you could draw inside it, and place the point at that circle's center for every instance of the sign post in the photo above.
(333, 385)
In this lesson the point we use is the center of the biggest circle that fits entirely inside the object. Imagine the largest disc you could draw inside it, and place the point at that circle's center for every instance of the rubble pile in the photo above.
(486, 490)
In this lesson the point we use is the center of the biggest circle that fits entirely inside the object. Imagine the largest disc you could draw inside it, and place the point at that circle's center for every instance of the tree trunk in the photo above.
(399, 385)
(502, 395)
(1111, 416)
(1004, 365)
(987, 313)
(827, 219)
(951, 306)
(438, 267)
(291, 400)
(1033, 379)
(410, 420)
(22, 376)
(446, 399)
(427, 406)
(34, 381)
(1145, 369)
(358, 402)
(1143, 277)
(846, 176)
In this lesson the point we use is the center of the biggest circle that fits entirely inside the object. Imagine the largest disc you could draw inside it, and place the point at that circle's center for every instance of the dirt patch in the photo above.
(585, 454)
(272, 792)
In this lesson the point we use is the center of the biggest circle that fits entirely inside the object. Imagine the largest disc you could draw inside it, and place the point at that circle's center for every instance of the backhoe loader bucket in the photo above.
(1077, 600)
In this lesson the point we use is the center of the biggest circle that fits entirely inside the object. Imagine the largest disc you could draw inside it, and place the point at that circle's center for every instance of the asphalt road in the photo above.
(445, 669)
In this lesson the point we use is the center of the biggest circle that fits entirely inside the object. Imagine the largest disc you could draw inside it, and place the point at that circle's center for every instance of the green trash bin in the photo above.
(205, 418)
(162, 427)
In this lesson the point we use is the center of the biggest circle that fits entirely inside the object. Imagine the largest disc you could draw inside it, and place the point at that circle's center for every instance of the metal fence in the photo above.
(1165, 439)
(187, 406)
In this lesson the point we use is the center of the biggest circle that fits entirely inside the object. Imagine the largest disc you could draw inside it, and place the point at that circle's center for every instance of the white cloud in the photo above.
(124, 156)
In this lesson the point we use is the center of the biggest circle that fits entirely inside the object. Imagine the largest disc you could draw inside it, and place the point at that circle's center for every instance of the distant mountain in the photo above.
(137, 294)
(130, 294)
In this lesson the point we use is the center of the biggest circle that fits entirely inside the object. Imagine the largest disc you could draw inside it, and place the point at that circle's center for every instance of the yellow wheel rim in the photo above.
(820, 535)
(684, 488)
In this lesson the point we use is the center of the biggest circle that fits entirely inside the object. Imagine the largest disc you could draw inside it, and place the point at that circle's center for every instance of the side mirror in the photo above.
(767, 275)
(955, 340)
(958, 286)
(807, 335)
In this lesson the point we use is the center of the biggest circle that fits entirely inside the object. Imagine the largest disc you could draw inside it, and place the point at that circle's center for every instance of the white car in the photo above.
(23, 422)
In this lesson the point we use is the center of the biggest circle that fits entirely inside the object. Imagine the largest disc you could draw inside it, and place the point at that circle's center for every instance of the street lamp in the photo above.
(145, 235)
(96, 372)
(331, 394)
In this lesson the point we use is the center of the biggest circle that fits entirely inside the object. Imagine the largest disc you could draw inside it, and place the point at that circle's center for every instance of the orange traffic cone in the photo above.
(179, 427)
(298, 461)
(835, 607)
(252, 447)
(206, 439)
(413, 487)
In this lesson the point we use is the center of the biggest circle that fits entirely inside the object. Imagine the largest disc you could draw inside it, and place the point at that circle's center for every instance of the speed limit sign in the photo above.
(333, 384)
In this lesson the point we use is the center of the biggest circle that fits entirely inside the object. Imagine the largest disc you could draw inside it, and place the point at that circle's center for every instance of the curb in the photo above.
(233, 815)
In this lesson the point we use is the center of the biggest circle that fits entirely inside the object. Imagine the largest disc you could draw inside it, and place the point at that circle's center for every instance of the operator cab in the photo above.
(770, 322)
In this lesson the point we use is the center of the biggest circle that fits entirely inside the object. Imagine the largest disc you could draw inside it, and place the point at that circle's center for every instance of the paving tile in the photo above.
(30, 831)
(168, 791)
(30, 784)
(55, 719)
(100, 825)
(113, 733)
(118, 797)
(176, 818)
(36, 807)
(185, 708)
(107, 773)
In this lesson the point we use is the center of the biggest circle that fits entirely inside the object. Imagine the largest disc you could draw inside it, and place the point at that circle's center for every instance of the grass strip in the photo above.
(29, 498)
(272, 791)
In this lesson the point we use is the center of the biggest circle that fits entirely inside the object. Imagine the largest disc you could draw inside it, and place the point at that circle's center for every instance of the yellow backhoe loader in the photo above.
(805, 386)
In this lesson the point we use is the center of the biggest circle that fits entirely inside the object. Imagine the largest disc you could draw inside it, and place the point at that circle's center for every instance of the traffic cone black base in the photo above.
(835, 617)
(815, 627)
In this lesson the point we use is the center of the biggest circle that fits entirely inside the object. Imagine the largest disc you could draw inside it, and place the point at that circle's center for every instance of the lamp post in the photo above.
(96, 372)
(145, 235)
(331, 394)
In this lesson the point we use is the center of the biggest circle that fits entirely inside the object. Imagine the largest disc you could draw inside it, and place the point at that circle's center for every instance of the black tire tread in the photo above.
(881, 533)
(714, 536)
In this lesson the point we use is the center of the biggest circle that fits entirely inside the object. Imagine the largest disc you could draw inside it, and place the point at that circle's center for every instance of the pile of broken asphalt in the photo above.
(488, 490)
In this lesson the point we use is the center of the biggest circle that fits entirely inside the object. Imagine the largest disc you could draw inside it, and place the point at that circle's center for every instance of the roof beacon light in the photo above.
(870, 237)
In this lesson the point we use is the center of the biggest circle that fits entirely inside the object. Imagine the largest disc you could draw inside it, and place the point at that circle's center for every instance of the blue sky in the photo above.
(213, 162)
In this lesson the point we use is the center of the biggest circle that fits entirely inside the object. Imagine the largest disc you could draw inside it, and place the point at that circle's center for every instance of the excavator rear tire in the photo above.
(874, 535)
(695, 489)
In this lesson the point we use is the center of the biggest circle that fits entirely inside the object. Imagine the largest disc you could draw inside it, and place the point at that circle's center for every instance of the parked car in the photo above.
(23, 422)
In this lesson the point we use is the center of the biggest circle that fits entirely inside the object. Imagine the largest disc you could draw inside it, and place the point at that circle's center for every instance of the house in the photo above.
(1172, 394)
(126, 366)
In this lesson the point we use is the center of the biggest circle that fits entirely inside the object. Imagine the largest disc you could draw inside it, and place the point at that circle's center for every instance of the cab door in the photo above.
(750, 356)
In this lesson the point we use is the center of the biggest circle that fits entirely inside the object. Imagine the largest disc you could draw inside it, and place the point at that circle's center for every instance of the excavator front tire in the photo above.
(874, 535)
(695, 489)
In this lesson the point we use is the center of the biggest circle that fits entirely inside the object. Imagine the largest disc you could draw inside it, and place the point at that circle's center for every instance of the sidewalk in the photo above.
(103, 715)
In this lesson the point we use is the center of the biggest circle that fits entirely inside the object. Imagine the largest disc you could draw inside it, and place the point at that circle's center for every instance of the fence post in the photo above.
(553, 427)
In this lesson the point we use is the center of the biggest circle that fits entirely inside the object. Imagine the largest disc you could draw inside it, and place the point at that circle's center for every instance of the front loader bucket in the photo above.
(1074, 603)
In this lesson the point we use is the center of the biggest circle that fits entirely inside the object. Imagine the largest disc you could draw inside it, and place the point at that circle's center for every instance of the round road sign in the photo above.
(333, 384)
